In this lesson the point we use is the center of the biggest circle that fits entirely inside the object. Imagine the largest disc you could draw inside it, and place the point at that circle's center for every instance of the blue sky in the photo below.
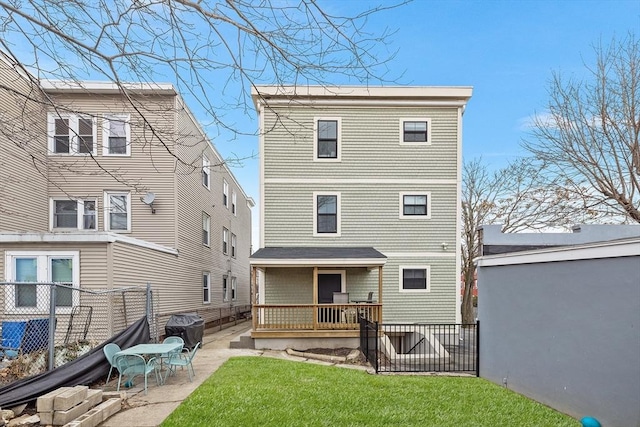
(506, 50)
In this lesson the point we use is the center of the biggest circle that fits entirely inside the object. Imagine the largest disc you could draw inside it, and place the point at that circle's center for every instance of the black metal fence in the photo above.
(445, 347)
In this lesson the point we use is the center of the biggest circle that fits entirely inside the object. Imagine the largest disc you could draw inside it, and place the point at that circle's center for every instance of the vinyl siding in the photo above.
(192, 200)
(370, 144)
(289, 286)
(93, 268)
(369, 217)
(149, 168)
(23, 172)
(374, 169)
(437, 305)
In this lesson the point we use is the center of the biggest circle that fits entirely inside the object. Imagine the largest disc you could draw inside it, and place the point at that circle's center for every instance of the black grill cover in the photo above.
(188, 326)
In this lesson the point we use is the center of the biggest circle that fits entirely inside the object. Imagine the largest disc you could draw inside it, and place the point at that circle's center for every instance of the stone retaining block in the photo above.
(70, 398)
(63, 417)
(45, 403)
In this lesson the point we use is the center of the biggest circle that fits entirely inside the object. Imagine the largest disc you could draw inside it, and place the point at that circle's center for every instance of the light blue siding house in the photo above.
(360, 193)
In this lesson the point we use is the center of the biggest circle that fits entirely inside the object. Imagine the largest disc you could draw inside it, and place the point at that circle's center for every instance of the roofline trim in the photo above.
(597, 250)
(99, 237)
(322, 262)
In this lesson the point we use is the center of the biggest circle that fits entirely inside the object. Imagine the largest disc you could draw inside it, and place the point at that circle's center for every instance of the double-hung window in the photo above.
(117, 206)
(326, 216)
(206, 229)
(415, 131)
(233, 245)
(206, 288)
(234, 287)
(116, 135)
(29, 268)
(225, 288)
(225, 193)
(76, 214)
(234, 199)
(327, 139)
(71, 134)
(415, 205)
(206, 172)
(414, 278)
(225, 240)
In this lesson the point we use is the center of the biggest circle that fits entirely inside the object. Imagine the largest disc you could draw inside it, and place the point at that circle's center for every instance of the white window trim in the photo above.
(415, 119)
(42, 294)
(315, 140)
(225, 291)
(225, 240)
(225, 193)
(105, 133)
(234, 205)
(414, 193)
(208, 288)
(234, 288)
(73, 134)
(343, 277)
(206, 221)
(80, 218)
(416, 267)
(234, 249)
(206, 165)
(107, 205)
(315, 214)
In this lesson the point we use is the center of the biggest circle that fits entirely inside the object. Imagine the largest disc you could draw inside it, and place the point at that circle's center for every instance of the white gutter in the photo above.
(77, 237)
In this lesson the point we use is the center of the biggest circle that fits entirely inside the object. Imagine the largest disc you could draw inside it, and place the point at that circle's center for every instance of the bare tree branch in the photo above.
(590, 142)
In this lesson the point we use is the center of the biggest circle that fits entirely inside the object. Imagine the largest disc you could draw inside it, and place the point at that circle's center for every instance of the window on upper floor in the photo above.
(327, 139)
(206, 288)
(206, 172)
(234, 200)
(76, 214)
(71, 134)
(233, 245)
(116, 135)
(234, 288)
(326, 216)
(225, 240)
(415, 205)
(117, 206)
(225, 193)
(225, 288)
(415, 278)
(206, 229)
(415, 131)
(27, 268)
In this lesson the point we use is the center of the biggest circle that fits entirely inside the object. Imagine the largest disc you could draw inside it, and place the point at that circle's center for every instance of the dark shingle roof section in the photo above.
(323, 252)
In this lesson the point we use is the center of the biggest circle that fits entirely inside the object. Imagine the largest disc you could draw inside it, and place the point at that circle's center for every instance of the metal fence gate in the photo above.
(444, 347)
(45, 325)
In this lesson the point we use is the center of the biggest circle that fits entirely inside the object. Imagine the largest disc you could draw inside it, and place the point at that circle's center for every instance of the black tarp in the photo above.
(85, 370)
(188, 326)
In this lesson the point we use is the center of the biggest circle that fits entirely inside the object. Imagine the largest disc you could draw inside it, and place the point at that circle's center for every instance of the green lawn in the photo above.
(260, 391)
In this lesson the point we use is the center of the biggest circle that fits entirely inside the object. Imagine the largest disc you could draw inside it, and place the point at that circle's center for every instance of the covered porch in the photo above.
(315, 292)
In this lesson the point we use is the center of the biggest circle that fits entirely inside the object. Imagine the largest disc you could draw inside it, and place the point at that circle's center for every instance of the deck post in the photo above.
(315, 298)
(254, 281)
(379, 319)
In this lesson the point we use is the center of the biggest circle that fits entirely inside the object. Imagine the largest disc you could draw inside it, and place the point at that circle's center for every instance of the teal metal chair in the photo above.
(132, 365)
(110, 351)
(182, 360)
(170, 340)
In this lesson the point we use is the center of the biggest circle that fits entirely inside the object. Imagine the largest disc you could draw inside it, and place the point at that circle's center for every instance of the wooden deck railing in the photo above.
(313, 316)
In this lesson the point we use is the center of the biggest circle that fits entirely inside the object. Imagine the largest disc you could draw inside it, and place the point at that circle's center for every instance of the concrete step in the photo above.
(243, 341)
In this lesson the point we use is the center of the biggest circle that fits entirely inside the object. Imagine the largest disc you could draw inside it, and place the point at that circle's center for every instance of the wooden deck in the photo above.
(307, 320)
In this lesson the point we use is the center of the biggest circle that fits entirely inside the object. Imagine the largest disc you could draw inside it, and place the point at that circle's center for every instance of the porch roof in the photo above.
(317, 256)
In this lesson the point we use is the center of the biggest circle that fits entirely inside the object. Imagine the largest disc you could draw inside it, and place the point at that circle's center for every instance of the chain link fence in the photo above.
(45, 325)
